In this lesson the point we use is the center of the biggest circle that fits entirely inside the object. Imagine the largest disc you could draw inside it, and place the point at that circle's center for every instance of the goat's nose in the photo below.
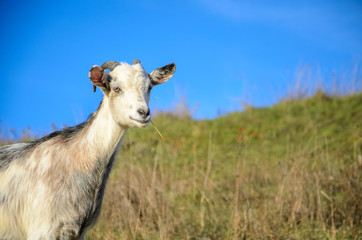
(143, 113)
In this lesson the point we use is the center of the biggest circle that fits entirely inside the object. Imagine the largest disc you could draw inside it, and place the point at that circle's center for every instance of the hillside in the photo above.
(291, 171)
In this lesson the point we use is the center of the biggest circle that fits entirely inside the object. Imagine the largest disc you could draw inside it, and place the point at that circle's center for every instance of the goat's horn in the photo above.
(135, 61)
(110, 65)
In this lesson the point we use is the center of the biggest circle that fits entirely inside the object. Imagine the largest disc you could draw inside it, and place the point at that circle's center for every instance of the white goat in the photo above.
(52, 188)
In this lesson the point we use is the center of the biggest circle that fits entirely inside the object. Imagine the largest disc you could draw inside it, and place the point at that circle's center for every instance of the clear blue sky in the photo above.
(225, 51)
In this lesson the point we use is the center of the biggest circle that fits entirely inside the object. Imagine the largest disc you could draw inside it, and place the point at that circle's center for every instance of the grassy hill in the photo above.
(291, 171)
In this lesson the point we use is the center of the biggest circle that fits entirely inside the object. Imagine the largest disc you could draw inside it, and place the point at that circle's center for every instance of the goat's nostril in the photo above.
(143, 113)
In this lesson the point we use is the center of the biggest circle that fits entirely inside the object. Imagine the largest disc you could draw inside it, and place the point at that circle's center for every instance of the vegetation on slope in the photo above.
(291, 171)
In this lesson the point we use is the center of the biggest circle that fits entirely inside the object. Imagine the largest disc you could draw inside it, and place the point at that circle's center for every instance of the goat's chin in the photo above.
(139, 123)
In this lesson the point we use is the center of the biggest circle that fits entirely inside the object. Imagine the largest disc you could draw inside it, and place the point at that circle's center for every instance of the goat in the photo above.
(52, 188)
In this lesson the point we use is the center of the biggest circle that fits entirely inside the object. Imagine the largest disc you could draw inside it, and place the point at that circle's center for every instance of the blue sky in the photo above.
(225, 51)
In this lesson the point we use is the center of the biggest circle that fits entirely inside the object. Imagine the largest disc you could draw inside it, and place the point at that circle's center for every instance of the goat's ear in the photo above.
(161, 75)
(99, 78)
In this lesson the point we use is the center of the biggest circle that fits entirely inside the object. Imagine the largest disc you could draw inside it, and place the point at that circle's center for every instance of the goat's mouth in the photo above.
(141, 121)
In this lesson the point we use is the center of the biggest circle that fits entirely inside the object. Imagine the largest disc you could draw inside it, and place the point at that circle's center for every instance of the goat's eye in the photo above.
(117, 89)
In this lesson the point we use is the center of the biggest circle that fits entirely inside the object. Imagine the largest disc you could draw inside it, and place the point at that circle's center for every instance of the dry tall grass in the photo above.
(289, 172)
(292, 171)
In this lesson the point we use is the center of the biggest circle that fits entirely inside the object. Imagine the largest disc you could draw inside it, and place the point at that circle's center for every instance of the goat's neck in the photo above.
(102, 137)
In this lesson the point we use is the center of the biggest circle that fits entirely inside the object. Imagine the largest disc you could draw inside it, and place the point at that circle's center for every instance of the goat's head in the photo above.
(128, 89)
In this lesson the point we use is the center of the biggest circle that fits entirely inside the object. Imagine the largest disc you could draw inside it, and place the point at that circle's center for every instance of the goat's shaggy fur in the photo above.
(52, 188)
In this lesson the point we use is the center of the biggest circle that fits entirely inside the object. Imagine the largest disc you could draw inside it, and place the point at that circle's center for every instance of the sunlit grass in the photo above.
(290, 171)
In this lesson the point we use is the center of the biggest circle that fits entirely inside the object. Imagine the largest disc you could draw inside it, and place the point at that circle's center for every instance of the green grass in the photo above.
(291, 171)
